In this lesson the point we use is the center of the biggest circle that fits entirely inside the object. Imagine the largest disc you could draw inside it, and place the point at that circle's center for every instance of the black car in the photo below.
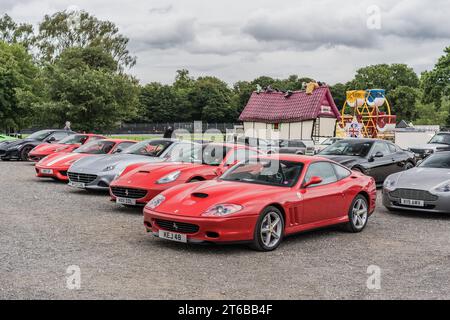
(295, 146)
(376, 158)
(19, 149)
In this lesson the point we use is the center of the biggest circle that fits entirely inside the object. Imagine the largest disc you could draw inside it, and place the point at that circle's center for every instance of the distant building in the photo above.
(292, 115)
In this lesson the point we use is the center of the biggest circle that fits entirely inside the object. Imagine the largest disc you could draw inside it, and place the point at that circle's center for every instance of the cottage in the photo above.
(292, 115)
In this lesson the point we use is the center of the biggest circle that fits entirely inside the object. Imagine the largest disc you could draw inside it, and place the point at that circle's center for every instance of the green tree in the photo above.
(338, 91)
(436, 83)
(17, 85)
(12, 32)
(403, 102)
(67, 29)
(87, 91)
(384, 76)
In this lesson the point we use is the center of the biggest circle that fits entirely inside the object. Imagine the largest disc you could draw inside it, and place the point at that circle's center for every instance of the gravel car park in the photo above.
(47, 227)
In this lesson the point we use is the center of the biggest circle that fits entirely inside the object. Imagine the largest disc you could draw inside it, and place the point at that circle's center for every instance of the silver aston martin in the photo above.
(97, 172)
(423, 188)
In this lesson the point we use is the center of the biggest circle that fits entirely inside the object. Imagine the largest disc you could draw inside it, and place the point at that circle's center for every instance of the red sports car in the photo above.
(56, 165)
(68, 144)
(138, 184)
(262, 200)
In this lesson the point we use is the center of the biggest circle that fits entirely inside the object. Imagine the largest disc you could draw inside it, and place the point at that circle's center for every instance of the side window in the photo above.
(392, 148)
(323, 170)
(59, 135)
(341, 172)
(122, 146)
(297, 144)
(380, 147)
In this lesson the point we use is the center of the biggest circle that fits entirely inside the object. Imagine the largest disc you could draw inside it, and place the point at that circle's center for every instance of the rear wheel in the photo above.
(269, 230)
(24, 153)
(358, 214)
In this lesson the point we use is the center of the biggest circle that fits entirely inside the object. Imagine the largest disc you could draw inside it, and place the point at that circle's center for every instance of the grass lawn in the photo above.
(137, 137)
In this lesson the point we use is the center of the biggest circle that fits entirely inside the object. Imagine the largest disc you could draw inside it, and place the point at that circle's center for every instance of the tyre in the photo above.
(358, 214)
(408, 166)
(24, 153)
(269, 230)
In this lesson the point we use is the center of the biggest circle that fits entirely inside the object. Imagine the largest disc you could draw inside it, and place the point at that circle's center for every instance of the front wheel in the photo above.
(269, 230)
(358, 214)
(408, 166)
(24, 153)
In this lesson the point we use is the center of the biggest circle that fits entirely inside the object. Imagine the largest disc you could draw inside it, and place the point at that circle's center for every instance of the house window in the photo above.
(276, 126)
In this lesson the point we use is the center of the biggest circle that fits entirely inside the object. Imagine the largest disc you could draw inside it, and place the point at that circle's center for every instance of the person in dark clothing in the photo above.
(168, 133)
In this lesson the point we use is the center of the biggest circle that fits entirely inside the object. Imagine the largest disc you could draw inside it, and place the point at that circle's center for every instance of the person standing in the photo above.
(168, 133)
(67, 126)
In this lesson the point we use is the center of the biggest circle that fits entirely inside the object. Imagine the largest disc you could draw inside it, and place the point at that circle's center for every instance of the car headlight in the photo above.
(155, 202)
(119, 174)
(109, 168)
(429, 151)
(221, 210)
(444, 187)
(171, 177)
(389, 184)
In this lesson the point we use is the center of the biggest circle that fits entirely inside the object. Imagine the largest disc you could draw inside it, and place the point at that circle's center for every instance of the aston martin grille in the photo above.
(82, 177)
(177, 226)
(413, 194)
(128, 192)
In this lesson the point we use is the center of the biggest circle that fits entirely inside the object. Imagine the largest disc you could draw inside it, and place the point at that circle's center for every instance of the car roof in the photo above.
(118, 140)
(230, 145)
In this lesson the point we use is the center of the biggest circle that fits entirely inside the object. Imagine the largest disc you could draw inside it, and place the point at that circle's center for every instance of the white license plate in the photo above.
(46, 171)
(414, 203)
(130, 202)
(178, 237)
(80, 185)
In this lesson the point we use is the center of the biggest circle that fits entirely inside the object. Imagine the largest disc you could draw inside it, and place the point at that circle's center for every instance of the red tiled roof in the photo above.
(274, 107)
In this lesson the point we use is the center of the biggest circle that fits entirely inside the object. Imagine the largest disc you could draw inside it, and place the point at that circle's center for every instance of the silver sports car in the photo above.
(423, 188)
(96, 173)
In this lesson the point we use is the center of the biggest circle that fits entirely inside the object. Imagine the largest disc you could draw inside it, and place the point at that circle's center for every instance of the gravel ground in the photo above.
(46, 226)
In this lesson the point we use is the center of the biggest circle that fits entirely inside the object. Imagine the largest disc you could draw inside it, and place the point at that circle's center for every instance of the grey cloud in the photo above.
(161, 10)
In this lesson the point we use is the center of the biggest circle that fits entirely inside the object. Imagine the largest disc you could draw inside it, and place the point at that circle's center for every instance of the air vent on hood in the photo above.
(200, 195)
(144, 171)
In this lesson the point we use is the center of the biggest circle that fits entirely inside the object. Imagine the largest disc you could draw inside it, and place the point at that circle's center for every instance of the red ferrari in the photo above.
(138, 184)
(262, 200)
(56, 165)
(68, 144)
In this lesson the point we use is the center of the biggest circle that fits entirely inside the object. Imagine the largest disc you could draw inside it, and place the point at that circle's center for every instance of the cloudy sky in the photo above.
(242, 39)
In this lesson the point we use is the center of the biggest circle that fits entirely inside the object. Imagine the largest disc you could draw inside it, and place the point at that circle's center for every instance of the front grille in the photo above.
(82, 177)
(128, 193)
(177, 226)
(413, 194)
(2, 152)
(63, 173)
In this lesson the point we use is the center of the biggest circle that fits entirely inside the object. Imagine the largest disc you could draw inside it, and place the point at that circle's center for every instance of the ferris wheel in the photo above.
(371, 109)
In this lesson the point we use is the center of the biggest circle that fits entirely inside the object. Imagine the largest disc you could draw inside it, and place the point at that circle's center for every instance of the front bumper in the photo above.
(9, 154)
(212, 230)
(151, 192)
(36, 157)
(59, 173)
(441, 205)
(92, 181)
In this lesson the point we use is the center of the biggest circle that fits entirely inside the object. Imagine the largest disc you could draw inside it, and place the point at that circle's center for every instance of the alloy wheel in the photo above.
(271, 229)
(359, 214)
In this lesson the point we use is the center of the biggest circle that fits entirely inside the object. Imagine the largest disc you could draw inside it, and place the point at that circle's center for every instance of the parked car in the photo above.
(326, 143)
(440, 142)
(296, 146)
(140, 183)
(4, 138)
(67, 144)
(262, 201)
(424, 188)
(96, 173)
(19, 149)
(266, 146)
(376, 158)
(57, 164)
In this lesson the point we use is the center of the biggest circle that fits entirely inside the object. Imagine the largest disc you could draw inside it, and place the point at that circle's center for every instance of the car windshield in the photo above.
(438, 161)
(186, 153)
(441, 139)
(328, 142)
(268, 172)
(153, 148)
(74, 139)
(40, 135)
(348, 148)
(96, 147)
(213, 154)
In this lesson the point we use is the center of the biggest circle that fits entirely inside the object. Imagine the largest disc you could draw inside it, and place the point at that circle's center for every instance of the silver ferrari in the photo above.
(97, 172)
(423, 188)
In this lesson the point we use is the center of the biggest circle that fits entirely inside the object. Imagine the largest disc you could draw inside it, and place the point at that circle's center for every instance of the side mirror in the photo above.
(51, 139)
(379, 154)
(118, 150)
(313, 181)
(218, 171)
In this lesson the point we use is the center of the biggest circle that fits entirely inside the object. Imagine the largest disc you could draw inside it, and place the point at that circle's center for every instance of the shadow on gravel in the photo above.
(421, 215)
